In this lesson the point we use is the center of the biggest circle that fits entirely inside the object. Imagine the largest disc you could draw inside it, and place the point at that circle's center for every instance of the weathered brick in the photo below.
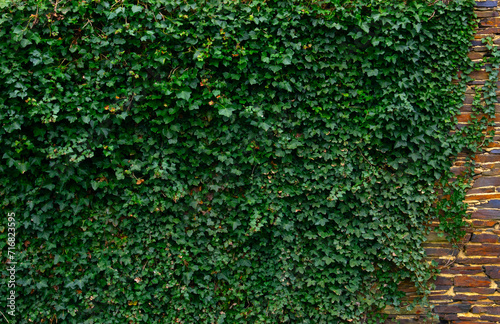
(480, 48)
(463, 270)
(495, 298)
(492, 271)
(448, 317)
(466, 115)
(475, 260)
(443, 281)
(472, 281)
(466, 109)
(479, 75)
(463, 117)
(490, 22)
(441, 298)
(491, 30)
(484, 238)
(486, 214)
(459, 297)
(485, 158)
(476, 55)
(476, 290)
(452, 308)
(492, 310)
(487, 182)
(486, 249)
(493, 319)
(485, 196)
(493, 171)
(494, 144)
(486, 4)
(471, 322)
(481, 190)
(402, 321)
(484, 14)
(484, 223)
(436, 252)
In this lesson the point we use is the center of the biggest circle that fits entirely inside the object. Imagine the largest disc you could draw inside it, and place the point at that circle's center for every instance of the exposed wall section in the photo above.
(468, 288)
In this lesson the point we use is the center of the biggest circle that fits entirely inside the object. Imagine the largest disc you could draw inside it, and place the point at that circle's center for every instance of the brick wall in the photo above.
(468, 288)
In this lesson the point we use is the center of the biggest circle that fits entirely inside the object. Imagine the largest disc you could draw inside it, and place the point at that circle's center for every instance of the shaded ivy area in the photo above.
(227, 161)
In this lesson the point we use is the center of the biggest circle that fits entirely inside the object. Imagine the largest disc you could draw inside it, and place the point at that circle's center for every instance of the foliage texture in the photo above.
(227, 161)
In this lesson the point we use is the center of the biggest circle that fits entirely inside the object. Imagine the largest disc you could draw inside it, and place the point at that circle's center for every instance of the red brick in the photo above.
(472, 281)
(486, 249)
(484, 238)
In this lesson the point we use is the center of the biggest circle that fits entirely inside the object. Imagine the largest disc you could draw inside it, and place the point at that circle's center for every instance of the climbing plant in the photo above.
(227, 161)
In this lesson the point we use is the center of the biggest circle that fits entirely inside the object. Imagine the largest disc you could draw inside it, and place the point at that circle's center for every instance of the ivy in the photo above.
(229, 161)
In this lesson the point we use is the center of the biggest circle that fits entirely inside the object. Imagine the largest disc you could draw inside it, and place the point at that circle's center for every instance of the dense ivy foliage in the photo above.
(226, 161)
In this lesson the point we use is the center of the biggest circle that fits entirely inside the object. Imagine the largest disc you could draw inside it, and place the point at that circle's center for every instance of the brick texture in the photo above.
(468, 287)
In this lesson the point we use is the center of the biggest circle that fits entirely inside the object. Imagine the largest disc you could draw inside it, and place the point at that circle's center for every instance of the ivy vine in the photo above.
(229, 161)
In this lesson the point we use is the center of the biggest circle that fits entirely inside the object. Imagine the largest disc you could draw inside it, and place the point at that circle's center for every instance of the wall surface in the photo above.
(468, 288)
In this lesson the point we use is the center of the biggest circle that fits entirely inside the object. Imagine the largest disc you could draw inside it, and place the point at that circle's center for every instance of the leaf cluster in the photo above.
(226, 161)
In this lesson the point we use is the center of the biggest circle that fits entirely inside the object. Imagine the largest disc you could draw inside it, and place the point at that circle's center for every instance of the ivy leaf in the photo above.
(136, 8)
(25, 42)
(228, 112)
(365, 27)
(184, 95)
